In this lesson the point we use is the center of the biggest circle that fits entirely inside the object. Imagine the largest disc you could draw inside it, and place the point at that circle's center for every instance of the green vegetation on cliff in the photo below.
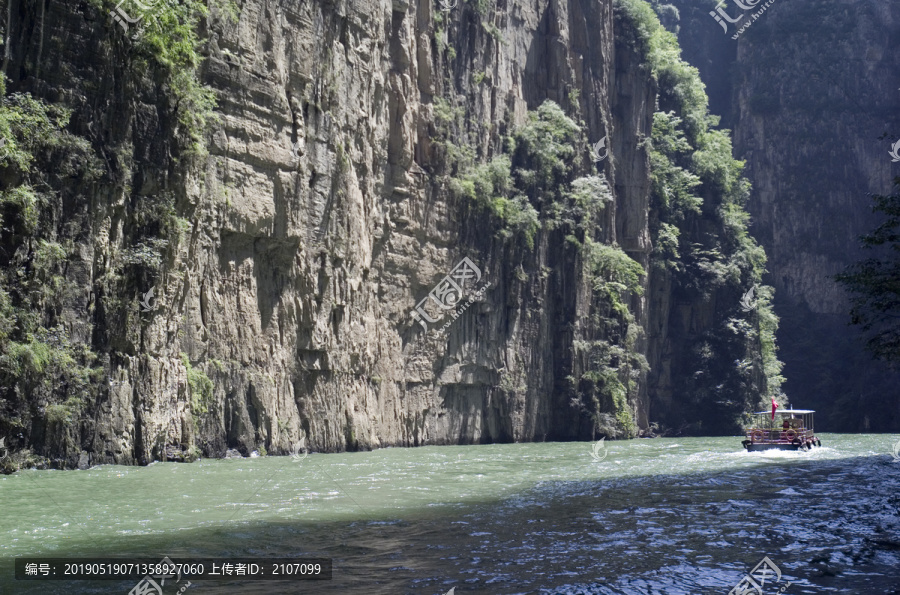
(722, 367)
(201, 390)
(166, 41)
(875, 282)
(612, 360)
(51, 371)
(541, 184)
(699, 230)
(45, 380)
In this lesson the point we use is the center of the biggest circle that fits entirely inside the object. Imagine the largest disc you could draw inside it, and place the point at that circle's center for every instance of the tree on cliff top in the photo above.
(874, 283)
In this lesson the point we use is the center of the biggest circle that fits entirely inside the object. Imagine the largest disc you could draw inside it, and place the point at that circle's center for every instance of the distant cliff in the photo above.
(810, 89)
(256, 197)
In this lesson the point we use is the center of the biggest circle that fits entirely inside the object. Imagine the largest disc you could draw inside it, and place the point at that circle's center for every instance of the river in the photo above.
(665, 516)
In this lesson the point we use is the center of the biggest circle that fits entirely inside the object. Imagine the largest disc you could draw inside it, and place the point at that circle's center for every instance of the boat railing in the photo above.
(778, 434)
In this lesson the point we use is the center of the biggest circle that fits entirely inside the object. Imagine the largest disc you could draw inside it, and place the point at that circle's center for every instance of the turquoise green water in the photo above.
(514, 518)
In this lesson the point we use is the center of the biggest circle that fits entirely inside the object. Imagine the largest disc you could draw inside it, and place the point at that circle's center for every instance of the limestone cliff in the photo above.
(287, 244)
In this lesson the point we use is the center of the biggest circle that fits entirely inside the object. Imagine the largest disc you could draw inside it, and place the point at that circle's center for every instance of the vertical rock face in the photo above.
(321, 216)
(332, 249)
(335, 246)
(813, 93)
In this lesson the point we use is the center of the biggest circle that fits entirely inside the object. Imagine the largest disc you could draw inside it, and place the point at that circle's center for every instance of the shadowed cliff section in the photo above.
(810, 90)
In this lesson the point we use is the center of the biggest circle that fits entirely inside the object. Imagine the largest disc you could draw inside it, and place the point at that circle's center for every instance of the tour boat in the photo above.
(788, 429)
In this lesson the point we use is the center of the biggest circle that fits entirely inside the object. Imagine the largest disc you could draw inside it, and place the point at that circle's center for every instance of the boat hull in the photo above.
(758, 446)
(763, 446)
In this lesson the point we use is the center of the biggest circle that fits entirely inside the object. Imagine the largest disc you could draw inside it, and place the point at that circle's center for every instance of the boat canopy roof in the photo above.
(785, 412)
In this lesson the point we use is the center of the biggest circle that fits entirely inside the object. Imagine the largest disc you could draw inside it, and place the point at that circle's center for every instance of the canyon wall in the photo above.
(810, 89)
(287, 250)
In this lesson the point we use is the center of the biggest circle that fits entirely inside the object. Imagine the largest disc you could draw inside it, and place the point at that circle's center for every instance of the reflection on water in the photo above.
(664, 516)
